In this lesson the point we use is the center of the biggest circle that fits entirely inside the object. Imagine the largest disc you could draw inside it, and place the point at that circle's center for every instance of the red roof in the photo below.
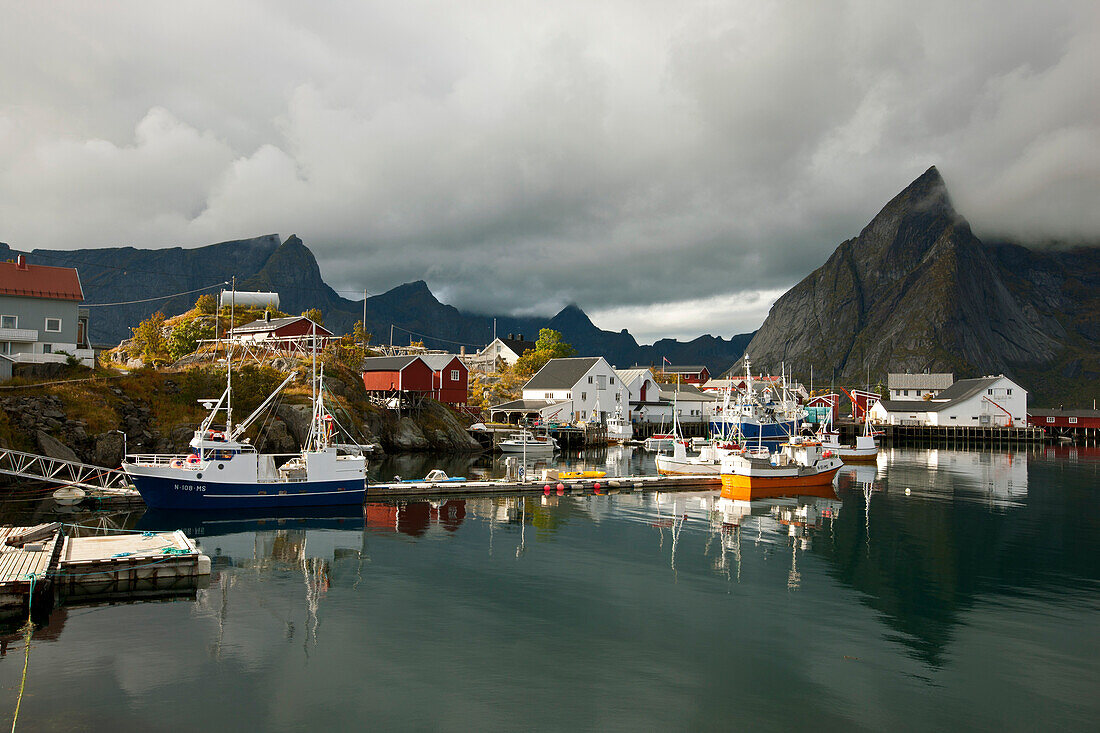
(40, 281)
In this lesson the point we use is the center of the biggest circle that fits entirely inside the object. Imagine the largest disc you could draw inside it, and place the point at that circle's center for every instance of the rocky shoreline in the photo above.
(108, 416)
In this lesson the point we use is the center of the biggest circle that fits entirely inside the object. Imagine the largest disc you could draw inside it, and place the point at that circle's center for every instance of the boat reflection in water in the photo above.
(763, 519)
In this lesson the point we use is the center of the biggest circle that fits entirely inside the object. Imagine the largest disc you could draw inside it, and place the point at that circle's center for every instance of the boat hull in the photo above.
(168, 492)
(855, 455)
(737, 486)
(670, 466)
(753, 432)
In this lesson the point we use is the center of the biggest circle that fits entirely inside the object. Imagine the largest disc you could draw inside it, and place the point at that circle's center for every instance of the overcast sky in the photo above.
(670, 167)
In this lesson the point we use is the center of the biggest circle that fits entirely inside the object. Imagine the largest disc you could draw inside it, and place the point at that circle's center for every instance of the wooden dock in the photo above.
(588, 485)
(104, 567)
(129, 564)
(27, 564)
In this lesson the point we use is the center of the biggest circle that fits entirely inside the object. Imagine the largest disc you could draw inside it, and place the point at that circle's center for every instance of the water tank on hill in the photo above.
(250, 299)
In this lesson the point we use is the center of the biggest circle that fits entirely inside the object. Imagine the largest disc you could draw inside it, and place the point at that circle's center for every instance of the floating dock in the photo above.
(43, 559)
(587, 485)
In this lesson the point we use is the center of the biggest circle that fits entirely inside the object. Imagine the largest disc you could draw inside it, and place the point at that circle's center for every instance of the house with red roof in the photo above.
(40, 314)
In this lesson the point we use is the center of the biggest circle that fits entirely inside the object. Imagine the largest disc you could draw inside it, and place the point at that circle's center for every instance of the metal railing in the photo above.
(70, 473)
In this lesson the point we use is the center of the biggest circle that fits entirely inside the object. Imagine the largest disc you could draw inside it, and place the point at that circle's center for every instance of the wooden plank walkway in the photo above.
(610, 483)
(18, 563)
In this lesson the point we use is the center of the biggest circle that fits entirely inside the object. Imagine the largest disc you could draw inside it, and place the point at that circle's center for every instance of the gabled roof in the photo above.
(276, 323)
(961, 390)
(438, 361)
(1060, 412)
(919, 381)
(561, 373)
(527, 405)
(387, 363)
(518, 345)
(626, 376)
(689, 392)
(688, 369)
(40, 281)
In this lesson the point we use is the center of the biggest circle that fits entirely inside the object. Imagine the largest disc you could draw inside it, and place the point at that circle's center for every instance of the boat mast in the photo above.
(229, 361)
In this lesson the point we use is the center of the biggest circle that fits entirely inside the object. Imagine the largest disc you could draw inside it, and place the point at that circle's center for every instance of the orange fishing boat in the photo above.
(798, 467)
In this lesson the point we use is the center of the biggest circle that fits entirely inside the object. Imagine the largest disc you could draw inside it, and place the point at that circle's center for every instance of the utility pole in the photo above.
(364, 318)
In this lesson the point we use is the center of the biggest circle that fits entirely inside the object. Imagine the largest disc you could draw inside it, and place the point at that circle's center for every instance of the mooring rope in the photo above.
(28, 631)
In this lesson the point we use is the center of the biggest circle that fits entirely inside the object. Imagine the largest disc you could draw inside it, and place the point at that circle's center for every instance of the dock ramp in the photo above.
(102, 481)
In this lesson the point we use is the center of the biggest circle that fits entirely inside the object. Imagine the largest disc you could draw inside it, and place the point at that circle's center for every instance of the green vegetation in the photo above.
(549, 346)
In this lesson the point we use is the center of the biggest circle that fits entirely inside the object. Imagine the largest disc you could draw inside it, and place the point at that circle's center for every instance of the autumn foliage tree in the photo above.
(150, 340)
(549, 346)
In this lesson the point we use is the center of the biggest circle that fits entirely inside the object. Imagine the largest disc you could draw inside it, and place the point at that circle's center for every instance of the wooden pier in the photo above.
(960, 434)
(587, 485)
(58, 567)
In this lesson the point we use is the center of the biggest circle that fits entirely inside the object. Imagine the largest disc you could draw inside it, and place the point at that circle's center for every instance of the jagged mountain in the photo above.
(408, 312)
(918, 290)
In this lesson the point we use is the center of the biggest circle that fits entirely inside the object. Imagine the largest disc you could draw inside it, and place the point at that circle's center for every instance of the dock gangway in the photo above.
(34, 467)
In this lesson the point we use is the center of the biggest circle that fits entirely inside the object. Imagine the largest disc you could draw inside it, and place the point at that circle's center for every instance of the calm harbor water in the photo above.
(940, 589)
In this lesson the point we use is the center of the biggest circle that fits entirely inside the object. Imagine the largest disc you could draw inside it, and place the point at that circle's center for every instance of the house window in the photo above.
(613, 380)
(53, 324)
(918, 393)
(906, 393)
(5, 347)
(618, 396)
(990, 391)
(1008, 391)
(9, 321)
(582, 414)
(954, 417)
(1050, 419)
(454, 375)
(548, 395)
(47, 348)
(590, 379)
(584, 396)
(1073, 421)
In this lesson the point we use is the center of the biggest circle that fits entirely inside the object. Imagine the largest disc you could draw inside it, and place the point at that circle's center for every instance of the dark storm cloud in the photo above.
(652, 162)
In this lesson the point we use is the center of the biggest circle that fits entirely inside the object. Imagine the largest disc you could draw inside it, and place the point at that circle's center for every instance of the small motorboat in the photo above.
(581, 474)
(660, 441)
(526, 442)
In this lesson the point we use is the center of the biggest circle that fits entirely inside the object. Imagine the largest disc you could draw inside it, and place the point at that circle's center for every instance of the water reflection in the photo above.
(417, 598)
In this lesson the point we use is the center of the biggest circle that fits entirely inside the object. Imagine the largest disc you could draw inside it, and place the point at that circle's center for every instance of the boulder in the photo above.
(297, 419)
(109, 449)
(54, 448)
(408, 436)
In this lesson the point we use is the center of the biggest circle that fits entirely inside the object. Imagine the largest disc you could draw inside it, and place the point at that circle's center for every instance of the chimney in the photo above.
(21, 262)
(519, 337)
(511, 337)
(267, 316)
(462, 351)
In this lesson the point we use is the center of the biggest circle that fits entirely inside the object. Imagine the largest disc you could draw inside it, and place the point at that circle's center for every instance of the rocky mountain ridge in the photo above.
(917, 291)
(408, 312)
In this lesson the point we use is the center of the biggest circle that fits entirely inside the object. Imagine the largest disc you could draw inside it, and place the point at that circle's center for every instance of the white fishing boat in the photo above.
(619, 429)
(526, 442)
(223, 470)
(707, 462)
(865, 449)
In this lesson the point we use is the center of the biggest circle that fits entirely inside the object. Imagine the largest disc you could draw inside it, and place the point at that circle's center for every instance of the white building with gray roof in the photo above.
(578, 388)
(983, 402)
(916, 386)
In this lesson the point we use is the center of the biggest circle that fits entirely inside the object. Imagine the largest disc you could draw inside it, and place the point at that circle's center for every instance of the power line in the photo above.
(149, 300)
(434, 338)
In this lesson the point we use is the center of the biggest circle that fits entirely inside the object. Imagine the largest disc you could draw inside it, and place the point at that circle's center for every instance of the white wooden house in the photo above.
(568, 390)
(983, 402)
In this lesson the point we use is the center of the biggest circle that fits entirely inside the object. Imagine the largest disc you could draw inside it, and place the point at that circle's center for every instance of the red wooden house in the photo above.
(450, 378)
(442, 377)
(694, 374)
(280, 331)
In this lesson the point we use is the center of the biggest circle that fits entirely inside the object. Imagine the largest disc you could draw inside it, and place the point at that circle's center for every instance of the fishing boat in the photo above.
(797, 465)
(771, 418)
(619, 429)
(707, 462)
(659, 442)
(864, 451)
(526, 442)
(223, 470)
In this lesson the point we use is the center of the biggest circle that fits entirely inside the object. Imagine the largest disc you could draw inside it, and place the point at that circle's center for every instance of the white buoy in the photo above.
(907, 492)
